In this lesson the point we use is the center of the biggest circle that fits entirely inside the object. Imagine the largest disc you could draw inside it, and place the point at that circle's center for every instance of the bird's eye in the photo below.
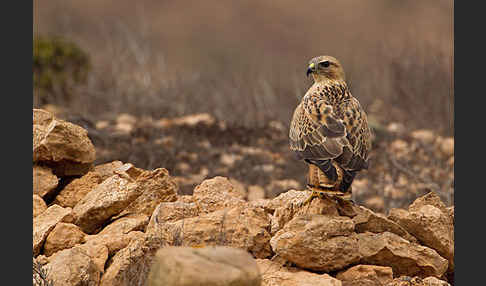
(324, 64)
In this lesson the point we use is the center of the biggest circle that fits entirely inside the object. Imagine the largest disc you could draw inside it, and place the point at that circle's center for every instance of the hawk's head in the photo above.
(325, 68)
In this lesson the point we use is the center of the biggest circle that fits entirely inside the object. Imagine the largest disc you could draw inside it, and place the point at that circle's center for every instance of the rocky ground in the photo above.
(404, 163)
(115, 223)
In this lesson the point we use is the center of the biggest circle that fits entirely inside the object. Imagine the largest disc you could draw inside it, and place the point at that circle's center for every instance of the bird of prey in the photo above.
(329, 131)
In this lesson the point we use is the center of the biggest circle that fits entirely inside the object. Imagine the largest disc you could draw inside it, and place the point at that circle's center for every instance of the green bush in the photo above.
(58, 65)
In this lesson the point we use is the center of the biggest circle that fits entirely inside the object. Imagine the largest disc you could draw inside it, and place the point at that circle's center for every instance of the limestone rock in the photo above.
(417, 281)
(106, 200)
(203, 266)
(428, 219)
(126, 224)
(276, 274)
(64, 235)
(44, 223)
(291, 205)
(44, 181)
(98, 252)
(156, 186)
(367, 220)
(366, 275)
(38, 205)
(41, 117)
(63, 145)
(73, 267)
(242, 227)
(424, 136)
(73, 192)
(318, 242)
(131, 265)
(216, 193)
(108, 169)
(114, 242)
(120, 233)
(404, 257)
(171, 212)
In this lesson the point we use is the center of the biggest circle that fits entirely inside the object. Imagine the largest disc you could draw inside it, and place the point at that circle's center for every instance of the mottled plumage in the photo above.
(329, 129)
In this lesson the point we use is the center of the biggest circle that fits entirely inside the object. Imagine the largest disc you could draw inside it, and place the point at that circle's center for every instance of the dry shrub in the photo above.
(244, 61)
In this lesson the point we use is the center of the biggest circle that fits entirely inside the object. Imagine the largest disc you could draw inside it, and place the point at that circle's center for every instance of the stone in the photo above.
(424, 136)
(276, 274)
(417, 281)
(242, 227)
(43, 224)
(446, 146)
(97, 251)
(367, 220)
(108, 169)
(64, 235)
(216, 193)
(430, 223)
(156, 186)
(131, 265)
(77, 189)
(171, 212)
(318, 242)
(126, 224)
(65, 146)
(291, 204)
(44, 181)
(403, 256)
(38, 205)
(106, 200)
(114, 243)
(73, 267)
(41, 117)
(366, 275)
(203, 266)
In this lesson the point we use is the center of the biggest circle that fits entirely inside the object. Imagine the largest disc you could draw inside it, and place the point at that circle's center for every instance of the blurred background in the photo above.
(206, 88)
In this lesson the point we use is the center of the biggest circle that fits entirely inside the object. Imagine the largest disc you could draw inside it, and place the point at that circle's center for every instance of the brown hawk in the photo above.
(329, 131)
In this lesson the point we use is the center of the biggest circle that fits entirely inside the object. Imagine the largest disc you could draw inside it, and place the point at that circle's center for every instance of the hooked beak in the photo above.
(310, 69)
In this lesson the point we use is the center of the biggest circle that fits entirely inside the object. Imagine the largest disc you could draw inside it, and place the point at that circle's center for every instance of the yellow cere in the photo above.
(312, 65)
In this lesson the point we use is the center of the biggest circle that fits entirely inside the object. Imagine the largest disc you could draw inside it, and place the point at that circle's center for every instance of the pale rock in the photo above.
(63, 145)
(38, 205)
(156, 186)
(446, 146)
(424, 136)
(131, 265)
(367, 220)
(429, 221)
(366, 275)
(114, 241)
(216, 193)
(43, 224)
(276, 274)
(242, 227)
(219, 265)
(171, 212)
(106, 200)
(64, 235)
(44, 181)
(77, 189)
(98, 252)
(318, 242)
(417, 281)
(73, 267)
(403, 256)
(291, 204)
(108, 169)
